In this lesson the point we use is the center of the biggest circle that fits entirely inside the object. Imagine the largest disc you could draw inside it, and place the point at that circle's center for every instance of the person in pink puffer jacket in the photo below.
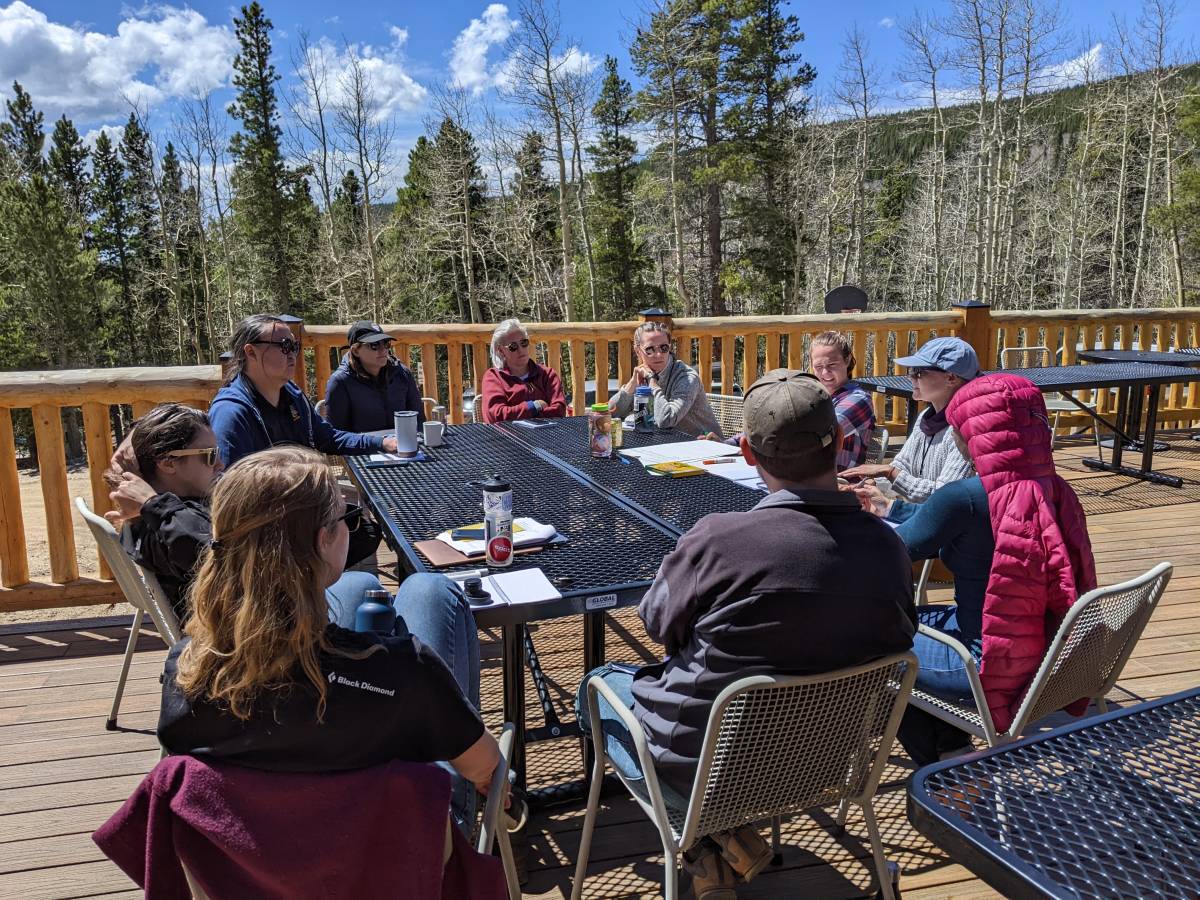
(1042, 560)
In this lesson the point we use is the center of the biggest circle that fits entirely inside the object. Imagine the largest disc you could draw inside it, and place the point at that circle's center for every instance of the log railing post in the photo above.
(14, 563)
(976, 330)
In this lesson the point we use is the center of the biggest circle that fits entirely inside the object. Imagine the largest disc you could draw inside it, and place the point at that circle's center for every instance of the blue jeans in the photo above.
(433, 609)
(618, 743)
(942, 672)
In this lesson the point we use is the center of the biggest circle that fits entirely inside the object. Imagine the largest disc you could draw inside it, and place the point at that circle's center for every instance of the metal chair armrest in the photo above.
(595, 688)
(495, 798)
(977, 694)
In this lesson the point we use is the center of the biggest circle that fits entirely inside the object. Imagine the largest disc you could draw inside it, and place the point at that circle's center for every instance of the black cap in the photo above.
(367, 333)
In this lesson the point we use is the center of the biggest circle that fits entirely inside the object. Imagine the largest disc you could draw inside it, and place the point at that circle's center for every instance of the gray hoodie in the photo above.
(679, 401)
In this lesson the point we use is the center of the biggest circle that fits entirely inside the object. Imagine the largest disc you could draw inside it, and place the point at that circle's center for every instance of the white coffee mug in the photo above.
(433, 434)
(406, 432)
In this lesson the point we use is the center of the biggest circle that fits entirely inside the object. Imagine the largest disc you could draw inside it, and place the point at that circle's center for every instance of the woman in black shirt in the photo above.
(264, 680)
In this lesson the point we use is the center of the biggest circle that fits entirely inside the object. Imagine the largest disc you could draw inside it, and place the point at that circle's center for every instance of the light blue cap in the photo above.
(950, 354)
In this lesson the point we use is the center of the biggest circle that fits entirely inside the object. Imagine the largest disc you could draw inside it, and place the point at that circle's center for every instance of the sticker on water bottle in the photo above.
(600, 601)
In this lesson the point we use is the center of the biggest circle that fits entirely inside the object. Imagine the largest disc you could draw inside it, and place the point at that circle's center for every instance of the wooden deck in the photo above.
(62, 774)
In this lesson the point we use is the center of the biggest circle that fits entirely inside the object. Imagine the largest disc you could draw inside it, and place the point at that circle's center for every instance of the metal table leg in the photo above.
(514, 695)
(1146, 472)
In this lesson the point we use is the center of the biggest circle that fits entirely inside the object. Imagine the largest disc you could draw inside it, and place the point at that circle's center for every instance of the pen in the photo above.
(717, 462)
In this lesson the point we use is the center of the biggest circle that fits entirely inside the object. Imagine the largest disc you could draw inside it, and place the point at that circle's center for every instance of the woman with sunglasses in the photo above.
(162, 478)
(260, 406)
(679, 401)
(929, 458)
(370, 385)
(263, 679)
(516, 387)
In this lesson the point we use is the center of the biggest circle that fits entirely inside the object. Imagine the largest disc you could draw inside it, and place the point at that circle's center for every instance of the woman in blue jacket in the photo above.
(370, 384)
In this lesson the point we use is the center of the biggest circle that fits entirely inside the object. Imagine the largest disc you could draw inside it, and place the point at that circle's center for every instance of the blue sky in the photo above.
(89, 59)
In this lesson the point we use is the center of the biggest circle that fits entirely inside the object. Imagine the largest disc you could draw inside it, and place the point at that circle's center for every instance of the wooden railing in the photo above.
(454, 357)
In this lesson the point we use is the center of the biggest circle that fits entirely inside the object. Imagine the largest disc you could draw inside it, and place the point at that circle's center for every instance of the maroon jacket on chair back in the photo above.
(376, 832)
(1043, 561)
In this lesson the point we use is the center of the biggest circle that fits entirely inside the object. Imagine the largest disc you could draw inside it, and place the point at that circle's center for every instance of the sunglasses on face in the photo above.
(653, 350)
(522, 343)
(287, 346)
(385, 346)
(921, 371)
(208, 454)
(352, 517)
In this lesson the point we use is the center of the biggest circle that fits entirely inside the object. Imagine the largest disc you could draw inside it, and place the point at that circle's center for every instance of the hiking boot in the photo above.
(712, 879)
(745, 850)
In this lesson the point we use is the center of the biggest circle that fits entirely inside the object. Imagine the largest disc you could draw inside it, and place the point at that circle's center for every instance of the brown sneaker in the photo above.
(745, 850)
(712, 879)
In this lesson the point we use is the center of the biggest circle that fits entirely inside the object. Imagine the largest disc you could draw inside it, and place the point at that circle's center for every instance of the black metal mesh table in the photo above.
(1107, 807)
(1131, 379)
(676, 503)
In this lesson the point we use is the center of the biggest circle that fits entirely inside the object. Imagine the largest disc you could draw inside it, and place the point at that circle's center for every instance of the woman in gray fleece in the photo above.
(679, 400)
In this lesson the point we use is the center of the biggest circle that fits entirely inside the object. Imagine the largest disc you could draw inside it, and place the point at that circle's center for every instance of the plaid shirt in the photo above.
(856, 416)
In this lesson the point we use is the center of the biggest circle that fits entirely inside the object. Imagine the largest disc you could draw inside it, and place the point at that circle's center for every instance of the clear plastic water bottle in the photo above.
(497, 521)
(643, 398)
(375, 613)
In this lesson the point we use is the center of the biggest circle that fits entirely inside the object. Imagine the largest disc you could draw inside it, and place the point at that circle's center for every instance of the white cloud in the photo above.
(114, 132)
(158, 53)
(576, 62)
(887, 22)
(1089, 64)
(469, 67)
(396, 93)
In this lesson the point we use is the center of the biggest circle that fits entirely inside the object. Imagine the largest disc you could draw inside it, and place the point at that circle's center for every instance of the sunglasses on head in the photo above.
(922, 371)
(287, 346)
(209, 454)
(522, 343)
(352, 517)
(660, 348)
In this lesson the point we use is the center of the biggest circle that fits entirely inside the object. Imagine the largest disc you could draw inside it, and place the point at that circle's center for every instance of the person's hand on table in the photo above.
(389, 444)
(870, 470)
(129, 494)
(538, 405)
(709, 436)
(872, 499)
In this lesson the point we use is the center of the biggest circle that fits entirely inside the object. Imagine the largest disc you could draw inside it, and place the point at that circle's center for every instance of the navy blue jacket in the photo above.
(356, 402)
(240, 428)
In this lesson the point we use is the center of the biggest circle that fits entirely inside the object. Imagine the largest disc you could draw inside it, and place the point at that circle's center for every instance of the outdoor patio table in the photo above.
(1106, 807)
(1157, 357)
(619, 523)
(1128, 378)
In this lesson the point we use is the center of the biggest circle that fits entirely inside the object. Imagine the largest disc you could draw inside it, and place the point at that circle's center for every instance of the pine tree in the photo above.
(68, 168)
(23, 134)
(111, 231)
(260, 177)
(619, 262)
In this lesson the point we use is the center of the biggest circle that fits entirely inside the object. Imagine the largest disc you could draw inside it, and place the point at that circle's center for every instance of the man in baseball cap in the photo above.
(803, 583)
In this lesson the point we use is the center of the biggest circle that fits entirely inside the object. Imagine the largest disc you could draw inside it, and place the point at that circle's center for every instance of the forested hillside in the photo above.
(724, 184)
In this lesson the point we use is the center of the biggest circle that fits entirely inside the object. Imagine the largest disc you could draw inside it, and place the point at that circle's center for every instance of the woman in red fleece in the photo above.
(517, 387)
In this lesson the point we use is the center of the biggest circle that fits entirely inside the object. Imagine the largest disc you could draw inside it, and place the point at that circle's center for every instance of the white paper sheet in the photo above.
(533, 423)
(526, 531)
(521, 586)
(681, 451)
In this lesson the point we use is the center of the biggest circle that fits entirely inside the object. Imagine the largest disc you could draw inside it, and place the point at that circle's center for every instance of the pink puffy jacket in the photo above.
(1043, 560)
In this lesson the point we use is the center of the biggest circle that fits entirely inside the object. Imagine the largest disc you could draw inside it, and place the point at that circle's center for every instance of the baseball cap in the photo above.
(788, 414)
(367, 333)
(950, 354)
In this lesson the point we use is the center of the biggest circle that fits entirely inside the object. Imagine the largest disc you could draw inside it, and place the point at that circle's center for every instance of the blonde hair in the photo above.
(258, 603)
(647, 328)
(839, 340)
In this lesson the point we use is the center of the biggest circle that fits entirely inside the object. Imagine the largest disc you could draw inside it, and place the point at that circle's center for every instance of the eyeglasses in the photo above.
(209, 454)
(654, 351)
(287, 346)
(522, 343)
(352, 517)
(379, 345)
(921, 371)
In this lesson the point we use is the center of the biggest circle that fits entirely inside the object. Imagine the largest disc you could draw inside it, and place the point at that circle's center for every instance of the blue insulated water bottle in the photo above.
(375, 613)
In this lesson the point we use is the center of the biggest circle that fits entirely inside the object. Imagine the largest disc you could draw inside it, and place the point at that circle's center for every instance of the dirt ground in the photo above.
(34, 514)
